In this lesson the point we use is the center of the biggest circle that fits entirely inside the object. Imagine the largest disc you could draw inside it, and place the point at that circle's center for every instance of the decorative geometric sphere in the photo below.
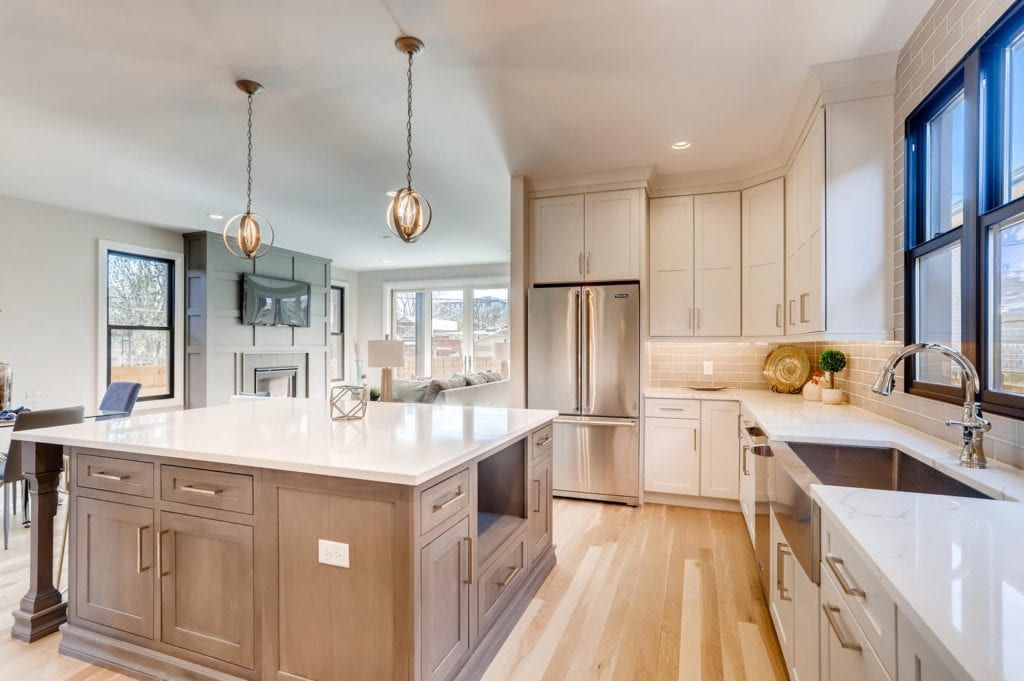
(408, 215)
(348, 402)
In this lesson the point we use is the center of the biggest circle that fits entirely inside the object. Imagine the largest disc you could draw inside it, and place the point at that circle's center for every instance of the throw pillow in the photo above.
(493, 376)
(438, 384)
(474, 378)
(410, 391)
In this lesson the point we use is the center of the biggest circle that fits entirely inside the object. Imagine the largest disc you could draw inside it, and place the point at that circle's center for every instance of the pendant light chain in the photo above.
(248, 165)
(408, 128)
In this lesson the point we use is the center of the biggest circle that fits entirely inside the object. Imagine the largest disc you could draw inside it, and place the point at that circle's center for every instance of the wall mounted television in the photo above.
(269, 301)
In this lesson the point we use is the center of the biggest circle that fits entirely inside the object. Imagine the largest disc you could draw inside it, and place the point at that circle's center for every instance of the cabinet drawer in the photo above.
(499, 584)
(541, 441)
(861, 591)
(115, 475)
(673, 409)
(845, 649)
(213, 489)
(444, 500)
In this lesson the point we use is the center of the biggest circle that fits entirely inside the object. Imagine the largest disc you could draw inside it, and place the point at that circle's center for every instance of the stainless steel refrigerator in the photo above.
(583, 352)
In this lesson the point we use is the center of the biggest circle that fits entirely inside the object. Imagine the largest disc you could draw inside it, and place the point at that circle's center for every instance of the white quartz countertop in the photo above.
(955, 568)
(790, 418)
(399, 443)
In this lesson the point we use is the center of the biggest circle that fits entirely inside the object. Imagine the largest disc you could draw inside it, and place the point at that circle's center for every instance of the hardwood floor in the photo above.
(656, 593)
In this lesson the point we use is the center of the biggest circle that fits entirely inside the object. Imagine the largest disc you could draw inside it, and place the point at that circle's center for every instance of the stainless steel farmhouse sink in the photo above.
(876, 468)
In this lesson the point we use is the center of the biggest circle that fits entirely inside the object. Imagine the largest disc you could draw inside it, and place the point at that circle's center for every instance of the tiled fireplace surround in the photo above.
(738, 365)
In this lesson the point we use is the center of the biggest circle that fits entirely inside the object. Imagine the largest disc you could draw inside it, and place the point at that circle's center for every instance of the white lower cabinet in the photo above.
(806, 609)
(915, 659)
(781, 587)
(846, 654)
(672, 455)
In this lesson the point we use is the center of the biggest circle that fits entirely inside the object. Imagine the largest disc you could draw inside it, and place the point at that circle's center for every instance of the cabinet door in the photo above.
(540, 508)
(796, 202)
(764, 259)
(206, 587)
(748, 504)
(556, 239)
(806, 633)
(444, 602)
(720, 450)
(781, 586)
(672, 455)
(846, 654)
(114, 573)
(612, 235)
(671, 266)
(813, 305)
(915, 659)
(717, 264)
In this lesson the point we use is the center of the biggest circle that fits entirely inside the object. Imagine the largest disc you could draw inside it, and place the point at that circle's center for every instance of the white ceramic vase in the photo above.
(831, 396)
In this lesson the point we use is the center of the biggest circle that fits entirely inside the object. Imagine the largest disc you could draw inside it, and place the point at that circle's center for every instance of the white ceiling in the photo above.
(128, 108)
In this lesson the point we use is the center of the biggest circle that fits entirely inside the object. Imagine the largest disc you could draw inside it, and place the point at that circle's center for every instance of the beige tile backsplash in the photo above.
(739, 365)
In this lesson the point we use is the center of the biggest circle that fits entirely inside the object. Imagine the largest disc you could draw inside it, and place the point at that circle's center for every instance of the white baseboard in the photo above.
(692, 502)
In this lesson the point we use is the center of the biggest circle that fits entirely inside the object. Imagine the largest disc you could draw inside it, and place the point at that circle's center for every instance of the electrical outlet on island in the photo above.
(333, 553)
(709, 368)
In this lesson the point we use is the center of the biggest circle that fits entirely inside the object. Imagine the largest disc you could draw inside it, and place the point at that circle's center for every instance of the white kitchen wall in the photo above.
(48, 295)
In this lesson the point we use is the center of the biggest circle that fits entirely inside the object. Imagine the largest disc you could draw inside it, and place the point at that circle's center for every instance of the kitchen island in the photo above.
(263, 540)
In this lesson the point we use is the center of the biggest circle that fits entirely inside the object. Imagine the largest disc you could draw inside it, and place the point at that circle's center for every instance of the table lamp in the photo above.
(501, 353)
(383, 355)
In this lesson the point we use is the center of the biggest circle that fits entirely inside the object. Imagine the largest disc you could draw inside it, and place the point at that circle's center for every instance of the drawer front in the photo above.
(444, 500)
(541, 441)
(846, 652)
(115, 475)
(212, 489)
(499, 584)
(672, 409)
(865, 599)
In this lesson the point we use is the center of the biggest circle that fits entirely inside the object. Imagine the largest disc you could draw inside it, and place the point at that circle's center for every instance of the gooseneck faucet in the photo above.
(972, 453)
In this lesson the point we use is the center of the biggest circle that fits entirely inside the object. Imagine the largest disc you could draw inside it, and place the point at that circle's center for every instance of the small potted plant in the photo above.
(831, 362)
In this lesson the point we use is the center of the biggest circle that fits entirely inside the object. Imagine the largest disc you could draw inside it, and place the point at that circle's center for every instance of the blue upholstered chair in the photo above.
(121, 396)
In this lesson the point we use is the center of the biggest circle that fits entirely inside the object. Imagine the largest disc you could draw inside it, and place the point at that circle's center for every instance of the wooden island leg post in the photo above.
(42, 610)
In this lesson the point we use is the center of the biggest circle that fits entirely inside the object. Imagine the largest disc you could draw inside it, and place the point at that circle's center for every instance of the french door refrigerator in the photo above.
(583, 349)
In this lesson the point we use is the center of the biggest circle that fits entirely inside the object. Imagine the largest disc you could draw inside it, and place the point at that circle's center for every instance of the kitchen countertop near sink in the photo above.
(791, 418)
(954, 566)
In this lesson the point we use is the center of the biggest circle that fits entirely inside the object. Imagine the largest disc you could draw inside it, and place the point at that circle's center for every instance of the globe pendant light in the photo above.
(409, 214)
(249, 235)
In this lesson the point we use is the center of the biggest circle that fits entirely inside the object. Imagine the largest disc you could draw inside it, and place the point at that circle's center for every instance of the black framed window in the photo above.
(964, 218)
(140, 323)
(336, 339)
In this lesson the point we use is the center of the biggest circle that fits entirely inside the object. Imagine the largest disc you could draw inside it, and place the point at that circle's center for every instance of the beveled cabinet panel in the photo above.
(445, 590)
(206, 587)
(539, 533)
(114, 573)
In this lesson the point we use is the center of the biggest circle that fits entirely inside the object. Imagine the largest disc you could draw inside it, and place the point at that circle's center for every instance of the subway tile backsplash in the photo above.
(739, 365)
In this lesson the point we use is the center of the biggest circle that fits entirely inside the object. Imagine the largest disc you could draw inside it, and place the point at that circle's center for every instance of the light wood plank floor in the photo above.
(658, 593)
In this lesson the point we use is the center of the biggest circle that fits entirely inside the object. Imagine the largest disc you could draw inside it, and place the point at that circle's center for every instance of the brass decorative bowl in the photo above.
(786, 369)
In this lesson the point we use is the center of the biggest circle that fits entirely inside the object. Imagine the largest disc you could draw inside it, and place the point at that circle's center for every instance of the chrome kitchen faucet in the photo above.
(972, 452)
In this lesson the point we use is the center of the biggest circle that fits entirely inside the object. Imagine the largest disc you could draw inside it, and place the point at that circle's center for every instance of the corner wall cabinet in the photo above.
(695, 267)
(587, 237)
(764, 259)
(692, 447)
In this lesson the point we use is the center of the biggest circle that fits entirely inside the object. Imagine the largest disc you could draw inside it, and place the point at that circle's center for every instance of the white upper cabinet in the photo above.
(716, 246)
(586, 237)
(612, 235)
(764, 259)
(557, 242)
(805, 203)
(671, 266)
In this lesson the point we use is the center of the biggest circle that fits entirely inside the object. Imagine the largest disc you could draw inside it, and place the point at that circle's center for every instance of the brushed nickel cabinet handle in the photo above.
(536, 498)
(159, 554)
(191, 489)
(689, 317)
(138, 549)
(509, 577)
(108, 476)
(789, 309)
(472, 562)
(694, 439)
(673, 409)
(698, 319)
(830, 614)
(459, 496)
(778, 315)
(581, 263)
(544, 441)
(843, 577)
(803, 318)
(588, 262)
(918, 674)
(746, 450)
(781, 551)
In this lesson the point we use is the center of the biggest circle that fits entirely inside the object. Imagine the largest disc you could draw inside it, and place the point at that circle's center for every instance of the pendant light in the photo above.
(249, 235)
(409, 213)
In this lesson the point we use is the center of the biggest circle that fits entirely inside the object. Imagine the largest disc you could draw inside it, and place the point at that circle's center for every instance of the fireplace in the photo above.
(278, 381)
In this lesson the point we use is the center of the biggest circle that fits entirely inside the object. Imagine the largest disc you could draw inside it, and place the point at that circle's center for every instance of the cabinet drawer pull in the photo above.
(544, 441)
(781, 550)
(509, 577)
(459, 495)
(108, 476)
(471, 557)
(159, 554)
(778, 315)
(698, 319)
(689, 317)
(536, 498)
(588, 262)
(746, 450)
(138, 549)
(673, 409)
(201, 490)
(789, 306)
(581, 263)
(843, 577)
(830, 615)
(803, 318)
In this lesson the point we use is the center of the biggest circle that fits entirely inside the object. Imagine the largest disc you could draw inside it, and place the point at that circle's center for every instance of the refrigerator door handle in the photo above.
(588, 355)
(579, 351)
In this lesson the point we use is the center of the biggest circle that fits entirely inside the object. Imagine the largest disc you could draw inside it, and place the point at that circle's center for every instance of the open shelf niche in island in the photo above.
(501, 499)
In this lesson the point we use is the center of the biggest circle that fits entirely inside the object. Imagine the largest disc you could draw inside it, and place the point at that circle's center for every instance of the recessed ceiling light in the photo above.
(215, 216)
(680, 145)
